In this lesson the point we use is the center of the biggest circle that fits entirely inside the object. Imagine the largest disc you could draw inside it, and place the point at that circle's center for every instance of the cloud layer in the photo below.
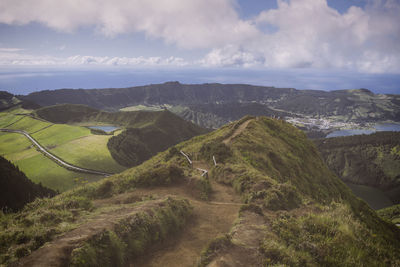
(298, 34)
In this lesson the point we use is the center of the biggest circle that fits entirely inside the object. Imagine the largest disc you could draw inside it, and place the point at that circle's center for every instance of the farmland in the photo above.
(74, 144)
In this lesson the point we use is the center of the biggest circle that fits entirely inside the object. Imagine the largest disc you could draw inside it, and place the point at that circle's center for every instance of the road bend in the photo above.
(55, 158)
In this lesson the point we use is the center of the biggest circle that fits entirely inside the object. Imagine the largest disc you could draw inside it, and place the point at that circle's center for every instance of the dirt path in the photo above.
(210, 219)
(58, 251)
(237, 132)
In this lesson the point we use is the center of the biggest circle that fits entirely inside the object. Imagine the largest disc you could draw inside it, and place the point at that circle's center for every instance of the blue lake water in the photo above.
(377, 128)
(107, 129)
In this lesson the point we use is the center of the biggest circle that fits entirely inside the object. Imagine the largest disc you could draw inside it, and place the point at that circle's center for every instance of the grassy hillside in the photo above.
(214, 115)
(294, 210)
(146, 132)
(352, 105)
(16, 189)
(68, 113)
(76, 145)
(7, 100)
(372, 160)
(391, 213)
(136, 145)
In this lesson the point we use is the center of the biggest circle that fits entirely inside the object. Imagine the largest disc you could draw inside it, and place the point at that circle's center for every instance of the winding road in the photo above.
(53, 157)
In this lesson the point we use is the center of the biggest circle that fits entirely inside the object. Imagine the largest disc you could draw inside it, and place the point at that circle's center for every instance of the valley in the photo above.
(213, 105)
(254, 192)
(64, 141)
(63, 131)
(269, 200)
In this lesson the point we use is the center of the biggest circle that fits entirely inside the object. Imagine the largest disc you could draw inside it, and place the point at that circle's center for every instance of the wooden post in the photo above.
(187, 157)
(215, 162)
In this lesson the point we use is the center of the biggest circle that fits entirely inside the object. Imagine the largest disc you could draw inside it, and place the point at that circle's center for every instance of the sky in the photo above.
(305, 44)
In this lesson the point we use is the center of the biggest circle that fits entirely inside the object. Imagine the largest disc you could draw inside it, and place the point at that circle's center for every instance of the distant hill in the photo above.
(372, 160)
(146, 133)
(348, 105)
(293, 212)
(16, 189)
(8, 100)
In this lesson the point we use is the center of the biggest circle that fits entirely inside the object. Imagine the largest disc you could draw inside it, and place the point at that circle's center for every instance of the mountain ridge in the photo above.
(353, 104)
(294, 210)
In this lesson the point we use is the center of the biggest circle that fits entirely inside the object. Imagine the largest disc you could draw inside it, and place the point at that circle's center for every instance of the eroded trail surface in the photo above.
(237, 132)
(210, 219)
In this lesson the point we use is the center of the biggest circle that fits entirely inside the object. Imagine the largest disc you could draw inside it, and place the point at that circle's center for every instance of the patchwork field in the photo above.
(74, 144)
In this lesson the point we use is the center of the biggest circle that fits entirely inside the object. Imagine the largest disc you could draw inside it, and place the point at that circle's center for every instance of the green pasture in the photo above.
(59, 134)
(73, 144)
(29, 124)
(91, 152)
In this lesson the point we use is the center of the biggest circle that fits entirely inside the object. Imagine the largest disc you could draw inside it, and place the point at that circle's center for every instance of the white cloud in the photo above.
(11, 58)
(308, 33)
(186, 23)
(10, 50)
(230, 56)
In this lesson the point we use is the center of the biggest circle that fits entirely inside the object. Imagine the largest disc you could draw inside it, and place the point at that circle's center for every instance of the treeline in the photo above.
(16, 189)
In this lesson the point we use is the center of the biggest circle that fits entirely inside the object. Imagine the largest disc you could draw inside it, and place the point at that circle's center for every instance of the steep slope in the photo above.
(7, 100)
(215, 115)
(372, 160)
(146, 132)
(353, 105)
(295, 211)
(136, 145)
(16, 189)
(69, 113)
(391, 213)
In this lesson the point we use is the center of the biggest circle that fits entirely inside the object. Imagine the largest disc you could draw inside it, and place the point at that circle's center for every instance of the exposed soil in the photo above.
(58, 251)
(210, 219)
(237, 132)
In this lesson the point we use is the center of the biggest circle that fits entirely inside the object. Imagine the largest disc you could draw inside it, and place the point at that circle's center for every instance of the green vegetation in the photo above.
(333, 236)
(147, 132)
(89, 151)
(296, 211)
(391, 213)
(212, 105)
(136, 145)
(73, 144)
(276, 169)
(370, 160)
(374, 197)
(7, 100)
(132, 236)
(16, 189)
(40, 221)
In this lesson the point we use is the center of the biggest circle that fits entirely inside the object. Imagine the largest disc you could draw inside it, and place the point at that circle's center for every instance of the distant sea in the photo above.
(377, 128)
(27, 80)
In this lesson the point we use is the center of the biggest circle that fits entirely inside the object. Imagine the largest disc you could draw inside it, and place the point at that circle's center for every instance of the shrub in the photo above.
(161, 175)
(218, 149)
(204, 186)
(21, 252)
(282, 197)
(252, 208)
